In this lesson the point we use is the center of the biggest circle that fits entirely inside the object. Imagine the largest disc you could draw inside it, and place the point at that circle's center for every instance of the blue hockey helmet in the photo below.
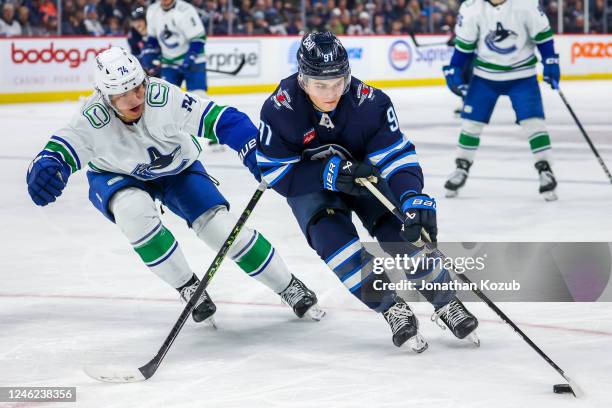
(322, 56)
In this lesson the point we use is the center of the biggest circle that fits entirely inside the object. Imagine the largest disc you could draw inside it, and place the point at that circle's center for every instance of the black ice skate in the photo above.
(405, 326)
(205, 308)
(302, 300)
(458, 177)
(548, 184)
(458, 319)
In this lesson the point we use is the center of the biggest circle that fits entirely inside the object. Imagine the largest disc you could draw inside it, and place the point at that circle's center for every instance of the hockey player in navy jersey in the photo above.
(320, 131)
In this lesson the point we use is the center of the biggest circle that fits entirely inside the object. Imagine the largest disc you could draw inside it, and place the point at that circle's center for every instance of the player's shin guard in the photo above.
(352, 264)
(254, 255)
(539, 141)
(136, 216)
(138, 219)
(469, 140)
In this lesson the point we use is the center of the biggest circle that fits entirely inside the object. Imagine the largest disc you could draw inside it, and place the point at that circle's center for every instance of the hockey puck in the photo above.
(562, 389)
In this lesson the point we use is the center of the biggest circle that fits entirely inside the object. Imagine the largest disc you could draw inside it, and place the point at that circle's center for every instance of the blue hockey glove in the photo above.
(247, 155)
(150, 55)
(189, 63)
(454, 80)
(552, 72)
(420, 212)
(46, 178)
(341, 175)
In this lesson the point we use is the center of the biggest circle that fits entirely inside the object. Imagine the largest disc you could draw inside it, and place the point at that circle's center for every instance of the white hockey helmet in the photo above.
(117, 72)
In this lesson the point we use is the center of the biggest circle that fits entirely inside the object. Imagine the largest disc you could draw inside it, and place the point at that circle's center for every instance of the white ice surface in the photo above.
(73, 292)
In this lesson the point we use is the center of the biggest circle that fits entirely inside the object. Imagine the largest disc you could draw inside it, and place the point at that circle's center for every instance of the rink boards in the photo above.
(43, 69)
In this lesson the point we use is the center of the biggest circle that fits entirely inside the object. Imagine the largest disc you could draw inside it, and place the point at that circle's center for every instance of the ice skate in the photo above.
(405, 326)
(205, 308)
(548, 183)
(458, 319)
(458, 177)
(302, 300)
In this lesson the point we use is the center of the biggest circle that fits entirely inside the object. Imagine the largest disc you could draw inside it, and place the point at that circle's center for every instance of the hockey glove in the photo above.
(340, 175)
(46, 178)
(189, 63)
(454, 80)
(247, 155)
(552, 72)
(196, 47)
(420, 212)
(150, 55)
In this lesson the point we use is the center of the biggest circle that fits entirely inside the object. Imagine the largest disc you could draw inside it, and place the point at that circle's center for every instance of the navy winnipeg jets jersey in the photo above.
(294, 138)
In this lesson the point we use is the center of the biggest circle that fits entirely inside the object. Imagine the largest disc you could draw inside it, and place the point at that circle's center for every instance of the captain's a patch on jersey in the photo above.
(281, 99)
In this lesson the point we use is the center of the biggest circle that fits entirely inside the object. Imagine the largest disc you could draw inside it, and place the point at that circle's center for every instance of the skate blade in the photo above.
(211, 322)
(417, 343)
(473, 338)
(315, 313)
(549, 196)
(451, 193)
(217, 148)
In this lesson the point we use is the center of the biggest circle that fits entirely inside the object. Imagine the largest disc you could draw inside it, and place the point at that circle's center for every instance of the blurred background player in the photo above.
(176, 37)
(139, 138)
(467, 77)
(137, 35)
(320, 131)
(499, 37)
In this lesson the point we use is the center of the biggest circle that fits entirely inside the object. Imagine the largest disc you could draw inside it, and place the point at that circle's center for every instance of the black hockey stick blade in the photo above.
(234, 72)
(122, 374)
(419, 45)
(576, 390)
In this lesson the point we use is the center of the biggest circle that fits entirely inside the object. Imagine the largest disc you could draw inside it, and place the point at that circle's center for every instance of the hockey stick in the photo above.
(584, 133)
(234, 72)
(418, 45)
(424, 241)
(127, 374)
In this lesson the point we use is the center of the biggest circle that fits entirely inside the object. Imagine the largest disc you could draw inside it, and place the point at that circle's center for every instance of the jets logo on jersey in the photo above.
(364, 92)
(495, 40)
(159, 161)
(325, 152)
(309, 135)
(281, 99)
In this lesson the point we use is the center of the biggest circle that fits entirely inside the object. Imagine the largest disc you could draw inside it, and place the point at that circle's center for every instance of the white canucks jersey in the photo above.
(175, 29)
(163, 142)
(504, 37)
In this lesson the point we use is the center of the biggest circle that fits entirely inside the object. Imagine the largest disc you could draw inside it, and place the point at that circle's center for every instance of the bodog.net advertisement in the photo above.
(50, 64)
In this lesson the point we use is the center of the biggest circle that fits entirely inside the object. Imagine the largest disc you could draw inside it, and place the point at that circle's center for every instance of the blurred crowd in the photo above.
(269, 17)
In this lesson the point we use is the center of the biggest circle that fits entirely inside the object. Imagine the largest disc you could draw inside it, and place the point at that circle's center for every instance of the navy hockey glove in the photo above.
(189, 63)
(420, 212)
(196, 48)
(46, 178)
(247, 155)
(454, 80)
(340, 175)
(552, 72)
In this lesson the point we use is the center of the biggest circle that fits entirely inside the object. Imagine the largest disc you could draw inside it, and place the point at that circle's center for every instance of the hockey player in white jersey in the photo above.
(500, 37)
(138, 136)
(176, 37)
